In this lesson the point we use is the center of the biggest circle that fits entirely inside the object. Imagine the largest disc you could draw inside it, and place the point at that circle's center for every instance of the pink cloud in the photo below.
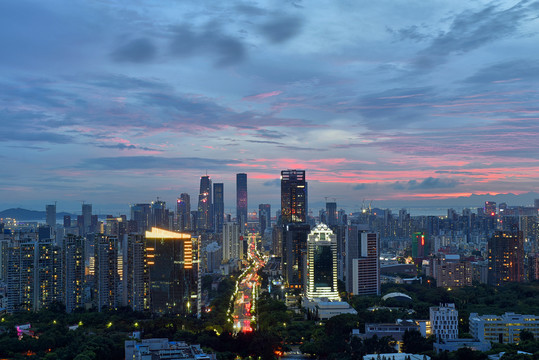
(262, 96)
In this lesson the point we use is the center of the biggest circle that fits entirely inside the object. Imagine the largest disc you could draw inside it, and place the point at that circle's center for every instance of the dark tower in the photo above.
(293, 196)
(218, 206)
(241, 200)
(183, 212)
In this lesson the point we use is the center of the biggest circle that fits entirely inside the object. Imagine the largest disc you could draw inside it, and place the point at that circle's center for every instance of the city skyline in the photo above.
(412, 105)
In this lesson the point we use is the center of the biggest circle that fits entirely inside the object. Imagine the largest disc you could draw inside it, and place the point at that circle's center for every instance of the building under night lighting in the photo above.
(241, 200)
(293, 196)
(173, 267)
(204, 216)
(321, 277)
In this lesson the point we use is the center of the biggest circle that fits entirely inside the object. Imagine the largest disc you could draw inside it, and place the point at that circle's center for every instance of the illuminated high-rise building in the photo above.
(294, 254)
(73, 271)
(293, 196)
(107, 279)
(183, 212)
(218, 206)
(204, 216)
(418, 245)
(21, 277)
(321, 276)
(51, 216)
(505, 257)
(241, 200)
(137, 275)
(490, 208)
(173, 267)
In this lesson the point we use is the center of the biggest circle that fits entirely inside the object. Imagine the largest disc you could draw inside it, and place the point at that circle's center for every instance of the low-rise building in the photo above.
(444, 321)
(503, 329)
(161, 348)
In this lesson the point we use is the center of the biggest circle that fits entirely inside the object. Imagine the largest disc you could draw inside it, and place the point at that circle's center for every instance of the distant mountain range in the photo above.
(25, 214)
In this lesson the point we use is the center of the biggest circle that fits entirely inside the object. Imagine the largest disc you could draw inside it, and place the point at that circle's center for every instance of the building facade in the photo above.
(293, 196)
(505, 258)
(321, 273)
(241, 200)
(444, 321)
(503, 329)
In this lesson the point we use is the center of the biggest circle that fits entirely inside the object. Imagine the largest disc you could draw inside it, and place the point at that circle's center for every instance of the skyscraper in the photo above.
(293, 196)
(418, 245)
(366, 266)
(51, 216)
(264, 217)
(204, 216)
(331, 213)
(137, 275)
(321, 277)
(218, 206)
(160, 214)
(232, 244)
(294, 254)
(141, 213)
(107, 280)
(86, 218)
(73, 271)
(183, 212)
(505, 257)
(241, 200)
(173, 269)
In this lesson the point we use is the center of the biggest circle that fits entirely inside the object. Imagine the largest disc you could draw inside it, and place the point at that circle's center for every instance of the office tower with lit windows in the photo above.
(137, 275)
(264, 217)
(321, 276)
(183, 212)
(173, 267)
(505, 258)
(142, 214)
(107, 279)
(73, 271)
(241, 200)
(51, 216)
(294, 254)
(293, 197)
(232, 242)
(218, 206)
(204, 216)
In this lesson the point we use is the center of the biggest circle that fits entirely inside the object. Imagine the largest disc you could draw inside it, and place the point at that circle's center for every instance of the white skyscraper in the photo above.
(321, 277)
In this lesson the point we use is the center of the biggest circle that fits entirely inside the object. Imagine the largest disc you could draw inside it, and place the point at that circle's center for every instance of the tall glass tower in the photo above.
(204, 218)
(293, 196)
(218, 206)
(241, 200)
(322, 264)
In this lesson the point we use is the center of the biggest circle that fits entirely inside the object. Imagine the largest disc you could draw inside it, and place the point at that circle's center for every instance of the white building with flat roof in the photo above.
(444, 321)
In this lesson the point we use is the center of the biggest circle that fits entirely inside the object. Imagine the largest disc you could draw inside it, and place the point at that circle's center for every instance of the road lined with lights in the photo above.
(246, 292)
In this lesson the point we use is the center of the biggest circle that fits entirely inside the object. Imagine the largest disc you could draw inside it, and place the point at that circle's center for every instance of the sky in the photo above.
(404, 103)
